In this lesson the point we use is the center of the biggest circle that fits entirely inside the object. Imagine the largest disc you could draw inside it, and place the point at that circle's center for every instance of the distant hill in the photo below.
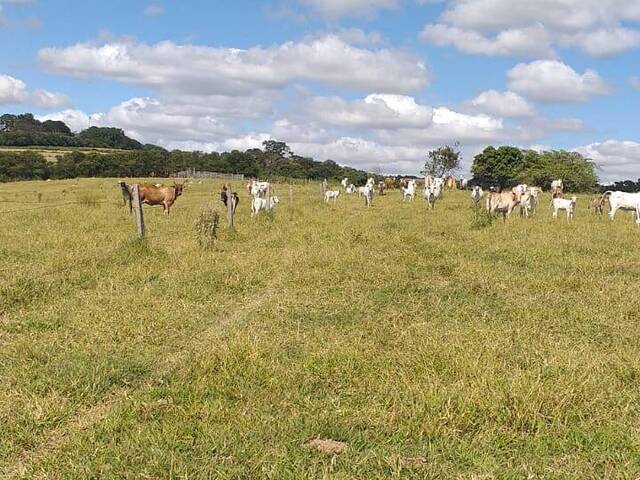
(26, 131)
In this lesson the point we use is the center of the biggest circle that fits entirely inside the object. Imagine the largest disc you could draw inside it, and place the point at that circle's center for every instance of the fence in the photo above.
(193, 173)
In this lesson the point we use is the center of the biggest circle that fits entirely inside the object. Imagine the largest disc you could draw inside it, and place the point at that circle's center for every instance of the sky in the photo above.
(373, 84)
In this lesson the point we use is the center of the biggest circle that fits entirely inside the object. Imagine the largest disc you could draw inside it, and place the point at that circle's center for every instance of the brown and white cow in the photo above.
(165, 196)
(503, 202)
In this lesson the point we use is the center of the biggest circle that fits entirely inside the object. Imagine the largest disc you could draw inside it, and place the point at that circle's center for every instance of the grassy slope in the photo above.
(434, 350)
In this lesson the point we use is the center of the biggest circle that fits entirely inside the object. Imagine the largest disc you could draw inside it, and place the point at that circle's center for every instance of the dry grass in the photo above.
(435, 347)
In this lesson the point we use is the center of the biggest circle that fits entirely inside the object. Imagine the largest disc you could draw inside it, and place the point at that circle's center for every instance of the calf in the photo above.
(368, 194)
(597, 204)
(165, 196)
(258, 189)
(476, 194)
(331, 195)
(568, 205)
(259, 204)
(433, 193)
(409, 192)
(127, 195)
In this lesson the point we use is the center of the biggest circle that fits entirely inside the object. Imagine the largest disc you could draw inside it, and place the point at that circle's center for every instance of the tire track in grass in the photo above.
(89, 416)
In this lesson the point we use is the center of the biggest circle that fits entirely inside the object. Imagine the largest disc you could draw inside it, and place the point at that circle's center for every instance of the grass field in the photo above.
(433, 349)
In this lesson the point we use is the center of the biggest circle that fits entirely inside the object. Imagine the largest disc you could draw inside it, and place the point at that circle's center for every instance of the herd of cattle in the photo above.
(524, 197)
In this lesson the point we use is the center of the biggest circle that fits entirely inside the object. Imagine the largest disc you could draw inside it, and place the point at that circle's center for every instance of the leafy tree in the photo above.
(498, 166)
(442, 161)
(277, 149)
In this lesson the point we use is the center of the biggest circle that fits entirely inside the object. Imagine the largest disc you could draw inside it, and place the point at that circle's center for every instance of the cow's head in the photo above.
(178, 187)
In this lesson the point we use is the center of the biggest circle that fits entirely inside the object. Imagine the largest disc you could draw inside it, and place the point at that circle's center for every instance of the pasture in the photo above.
(432, 348)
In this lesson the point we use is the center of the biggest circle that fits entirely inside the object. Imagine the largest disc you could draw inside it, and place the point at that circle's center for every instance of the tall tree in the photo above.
(442, 161)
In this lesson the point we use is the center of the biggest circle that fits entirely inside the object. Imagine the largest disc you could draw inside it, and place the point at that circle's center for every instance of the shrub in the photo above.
(206, 226)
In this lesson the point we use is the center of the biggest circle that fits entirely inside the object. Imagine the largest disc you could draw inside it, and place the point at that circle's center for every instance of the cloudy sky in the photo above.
(370, 83)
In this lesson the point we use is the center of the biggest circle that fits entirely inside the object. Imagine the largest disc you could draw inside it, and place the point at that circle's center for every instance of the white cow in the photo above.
(476, 194)
(409, 192)
(520, 189)
(258, 189)
(367, 191)
(621, 201)
(344, 183)
(259, 204)
(439, 183)
(568, 205)
(351, 188)
(557, 185)
(464, 183)
(331, 195)
(433, 193)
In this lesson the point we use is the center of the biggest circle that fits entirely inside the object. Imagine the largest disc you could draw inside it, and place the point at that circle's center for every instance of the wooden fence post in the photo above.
(230, 206)
(138, 208)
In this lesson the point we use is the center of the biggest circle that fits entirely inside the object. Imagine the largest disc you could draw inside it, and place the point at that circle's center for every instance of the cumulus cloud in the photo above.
(595, 26)
(528, 41)
(14, 91)
(211, 70)
(334, 9)
(554, 81)
(503, 104)
(616, 160)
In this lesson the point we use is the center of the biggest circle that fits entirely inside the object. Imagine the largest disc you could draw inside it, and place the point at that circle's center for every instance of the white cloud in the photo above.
(76, 120)
(227, 71)
(528, 41)
(594, 26)
(503, 104)
(153, 10)
(554, 81)
(617, 160)
(15, 91)
(12, 90)
(334, 9)
(48, 100)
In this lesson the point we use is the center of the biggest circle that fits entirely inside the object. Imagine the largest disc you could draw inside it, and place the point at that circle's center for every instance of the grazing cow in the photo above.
(127, 195)
(165, 196)
(344, 183)
(259, 204)
(621, 201)
(351, 188)
(331, 195)
(568, 205)
(451, 183)
(597, 204)
(258, 189)
(409, 191)
(476, 194)
(433, 193)
(503, 202)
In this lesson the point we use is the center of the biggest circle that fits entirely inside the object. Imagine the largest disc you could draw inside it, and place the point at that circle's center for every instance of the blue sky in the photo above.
(373, 84)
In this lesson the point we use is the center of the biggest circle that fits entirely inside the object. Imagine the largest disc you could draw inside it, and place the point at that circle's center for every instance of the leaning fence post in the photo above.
(230, 205)
(138, 208)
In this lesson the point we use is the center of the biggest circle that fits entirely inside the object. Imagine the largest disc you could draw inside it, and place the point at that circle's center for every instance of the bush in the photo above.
(480, 218)
(206, 226)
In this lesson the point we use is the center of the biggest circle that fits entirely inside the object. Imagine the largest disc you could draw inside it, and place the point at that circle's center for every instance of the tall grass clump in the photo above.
(480, 217)
(207, 225)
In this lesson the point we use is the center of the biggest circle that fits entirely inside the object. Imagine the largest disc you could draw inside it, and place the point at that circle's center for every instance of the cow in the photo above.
(557, 185)
(165, 196)
(258, 189)
(259, 204)
(476, 194)
(331, 195)
(451, 183)
(367, 191)
(389, 183)
(503, 202)
(597, 204)
(344, 183)
(621, 201)
(463, 183)
(520, 189)
(428, 181)
(351, 188)
(127, 195)
(224, 196)
(432, 193)
(409, 191)
(568, 205)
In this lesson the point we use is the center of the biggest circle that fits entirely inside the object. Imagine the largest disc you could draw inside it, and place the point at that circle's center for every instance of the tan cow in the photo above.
(597, 204)
(165, 196)
(503, 202)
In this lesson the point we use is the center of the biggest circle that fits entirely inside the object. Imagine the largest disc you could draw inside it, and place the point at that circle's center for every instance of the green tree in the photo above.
(442, 161)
